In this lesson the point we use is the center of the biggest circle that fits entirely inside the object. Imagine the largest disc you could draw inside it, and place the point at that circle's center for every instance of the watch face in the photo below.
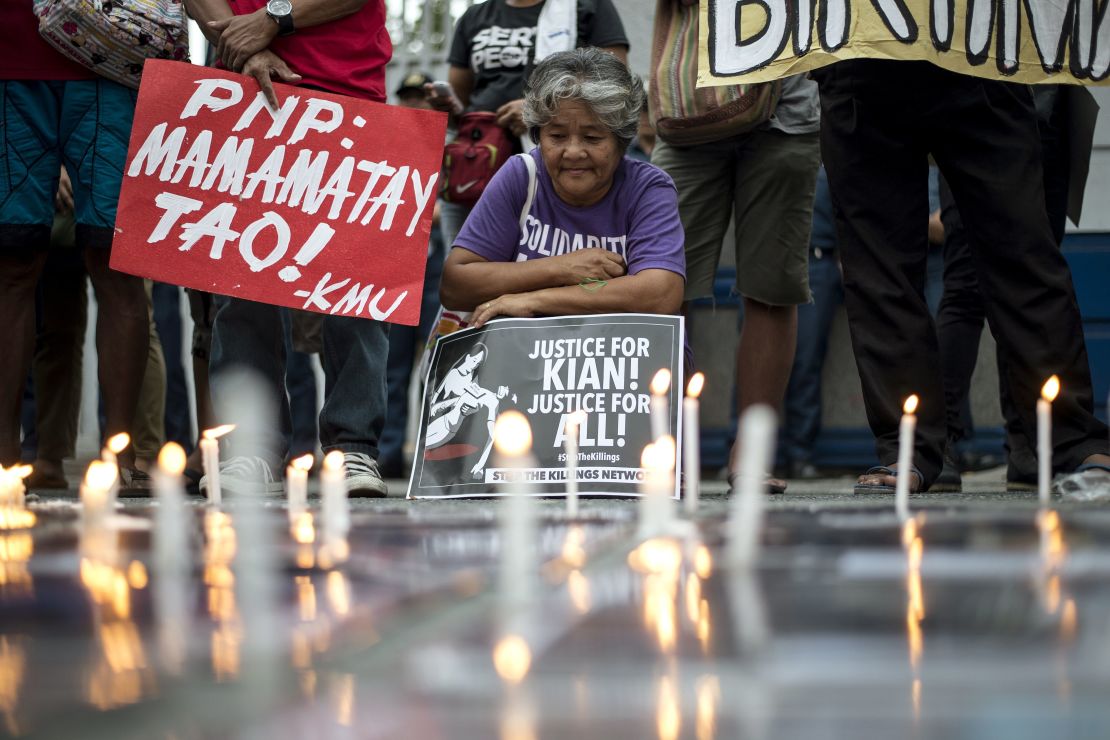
(279, 7)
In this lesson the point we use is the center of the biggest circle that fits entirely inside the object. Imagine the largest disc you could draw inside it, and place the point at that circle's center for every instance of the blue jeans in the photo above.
(404, 346)
(248, 335)
(802, 405)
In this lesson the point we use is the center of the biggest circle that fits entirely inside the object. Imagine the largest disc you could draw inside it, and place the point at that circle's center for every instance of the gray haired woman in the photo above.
(602, 233)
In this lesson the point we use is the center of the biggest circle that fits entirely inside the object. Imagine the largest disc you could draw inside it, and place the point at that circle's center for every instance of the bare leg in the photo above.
(122, 337)
(18, 276)
(764, 356)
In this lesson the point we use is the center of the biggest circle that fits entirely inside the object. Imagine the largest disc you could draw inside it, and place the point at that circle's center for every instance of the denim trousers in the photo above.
(249, 336)
(802, 404)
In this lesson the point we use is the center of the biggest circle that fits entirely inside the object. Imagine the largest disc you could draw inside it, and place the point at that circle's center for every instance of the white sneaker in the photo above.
(246, 475)
(363, 478)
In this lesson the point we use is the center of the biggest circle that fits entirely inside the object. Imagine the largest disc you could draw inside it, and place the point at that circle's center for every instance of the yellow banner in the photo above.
(1029, 41)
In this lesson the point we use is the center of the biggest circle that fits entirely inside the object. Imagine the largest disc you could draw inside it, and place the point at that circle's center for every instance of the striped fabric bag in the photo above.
(115, 37)
(683, 114)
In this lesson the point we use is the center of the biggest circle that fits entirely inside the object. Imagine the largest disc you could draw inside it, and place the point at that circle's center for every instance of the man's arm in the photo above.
(239, 37)
(648, 291)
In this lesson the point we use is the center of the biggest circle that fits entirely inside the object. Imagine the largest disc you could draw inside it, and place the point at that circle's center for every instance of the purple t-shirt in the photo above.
(637, 219)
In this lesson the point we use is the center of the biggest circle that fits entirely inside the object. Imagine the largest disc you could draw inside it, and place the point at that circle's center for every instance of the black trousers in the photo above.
(961, 313)
(880, 122)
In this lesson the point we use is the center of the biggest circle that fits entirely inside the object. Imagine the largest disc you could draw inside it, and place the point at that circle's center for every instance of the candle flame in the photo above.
(100, 475)
(217, 432)
(333, 460)
(20, 471)
(304, 462)
(512, 658)
(576, 419)
(171, 459)
(694, 388)
(1051, 389)
(512, 434)
(117, 443)
(647, 457)
(910, 405)
(661, 382)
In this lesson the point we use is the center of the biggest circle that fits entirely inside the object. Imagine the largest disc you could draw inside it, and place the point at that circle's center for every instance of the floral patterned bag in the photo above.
(115, 37)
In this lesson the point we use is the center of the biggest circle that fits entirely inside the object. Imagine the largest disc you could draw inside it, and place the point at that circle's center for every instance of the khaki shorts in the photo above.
(769, 178)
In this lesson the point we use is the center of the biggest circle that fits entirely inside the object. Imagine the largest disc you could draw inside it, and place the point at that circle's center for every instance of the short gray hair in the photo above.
(592, 76)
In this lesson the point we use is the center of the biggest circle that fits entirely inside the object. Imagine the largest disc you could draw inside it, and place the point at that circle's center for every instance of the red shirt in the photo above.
(25, 55)
(346, 56)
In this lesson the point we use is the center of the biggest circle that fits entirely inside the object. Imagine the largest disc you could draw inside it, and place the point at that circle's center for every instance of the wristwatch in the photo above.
(282, 12)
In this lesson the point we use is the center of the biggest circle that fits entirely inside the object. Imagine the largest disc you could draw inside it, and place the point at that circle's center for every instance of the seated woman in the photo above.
(602, 233)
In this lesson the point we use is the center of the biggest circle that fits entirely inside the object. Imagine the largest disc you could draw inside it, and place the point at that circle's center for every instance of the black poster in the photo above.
(546, 369)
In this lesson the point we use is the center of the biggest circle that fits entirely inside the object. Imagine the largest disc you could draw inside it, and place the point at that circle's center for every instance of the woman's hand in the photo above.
(511, 116)
(590, 265)
(518, 305)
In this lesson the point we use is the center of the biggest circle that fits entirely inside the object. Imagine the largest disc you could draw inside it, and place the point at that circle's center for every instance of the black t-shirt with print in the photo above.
(497, 42)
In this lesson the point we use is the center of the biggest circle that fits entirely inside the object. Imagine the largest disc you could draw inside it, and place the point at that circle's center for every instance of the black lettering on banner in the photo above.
(940, 23)
(897, 19)
(1047, 22)
(734, 55)
(832, 23)
(1009, 36)
(802, 14)
(977, 34)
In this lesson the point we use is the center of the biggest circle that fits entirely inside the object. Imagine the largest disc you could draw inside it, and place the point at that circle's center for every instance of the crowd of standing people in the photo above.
(825, 186)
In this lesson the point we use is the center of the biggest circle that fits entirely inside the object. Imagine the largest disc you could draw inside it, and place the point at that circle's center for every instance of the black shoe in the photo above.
(949, 480)
(803, 470)
(1021, 471)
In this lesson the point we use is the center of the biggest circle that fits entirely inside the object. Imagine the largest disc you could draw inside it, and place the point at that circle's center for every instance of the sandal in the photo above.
(774, 486)
(865, 488)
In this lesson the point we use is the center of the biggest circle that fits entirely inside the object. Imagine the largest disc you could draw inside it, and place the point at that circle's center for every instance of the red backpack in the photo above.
(478, 151)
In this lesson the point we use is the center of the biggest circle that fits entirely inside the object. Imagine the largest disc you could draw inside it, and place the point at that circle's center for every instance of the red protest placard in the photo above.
(324, 204)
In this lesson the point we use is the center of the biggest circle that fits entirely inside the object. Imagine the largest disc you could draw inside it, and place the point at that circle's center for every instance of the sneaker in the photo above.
(803, 470)
(363, 478)
(246, 475)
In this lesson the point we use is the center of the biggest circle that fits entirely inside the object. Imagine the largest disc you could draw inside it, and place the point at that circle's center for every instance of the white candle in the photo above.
(1044, 439)
(114, 445)
(512, 435)
(570, 447)
(656, 503)
(691, 440)
(296, 485)
(96, 490)
(757, 452)
(905, 459)
(333, 497)
(660, 386)
(171, 540)
(210, 458)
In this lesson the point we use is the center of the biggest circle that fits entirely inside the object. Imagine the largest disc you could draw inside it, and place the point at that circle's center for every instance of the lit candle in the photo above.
(96, 490)
(1044, 439)
(656, 504)
(905, 459)
(115, 444)
(296, 484)
(660, 386)
(171, 541)
(210, 457)
(570, 446)
(333, 497)
(512, 439)
(691, 453)
(12, 488)
(757, 452)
